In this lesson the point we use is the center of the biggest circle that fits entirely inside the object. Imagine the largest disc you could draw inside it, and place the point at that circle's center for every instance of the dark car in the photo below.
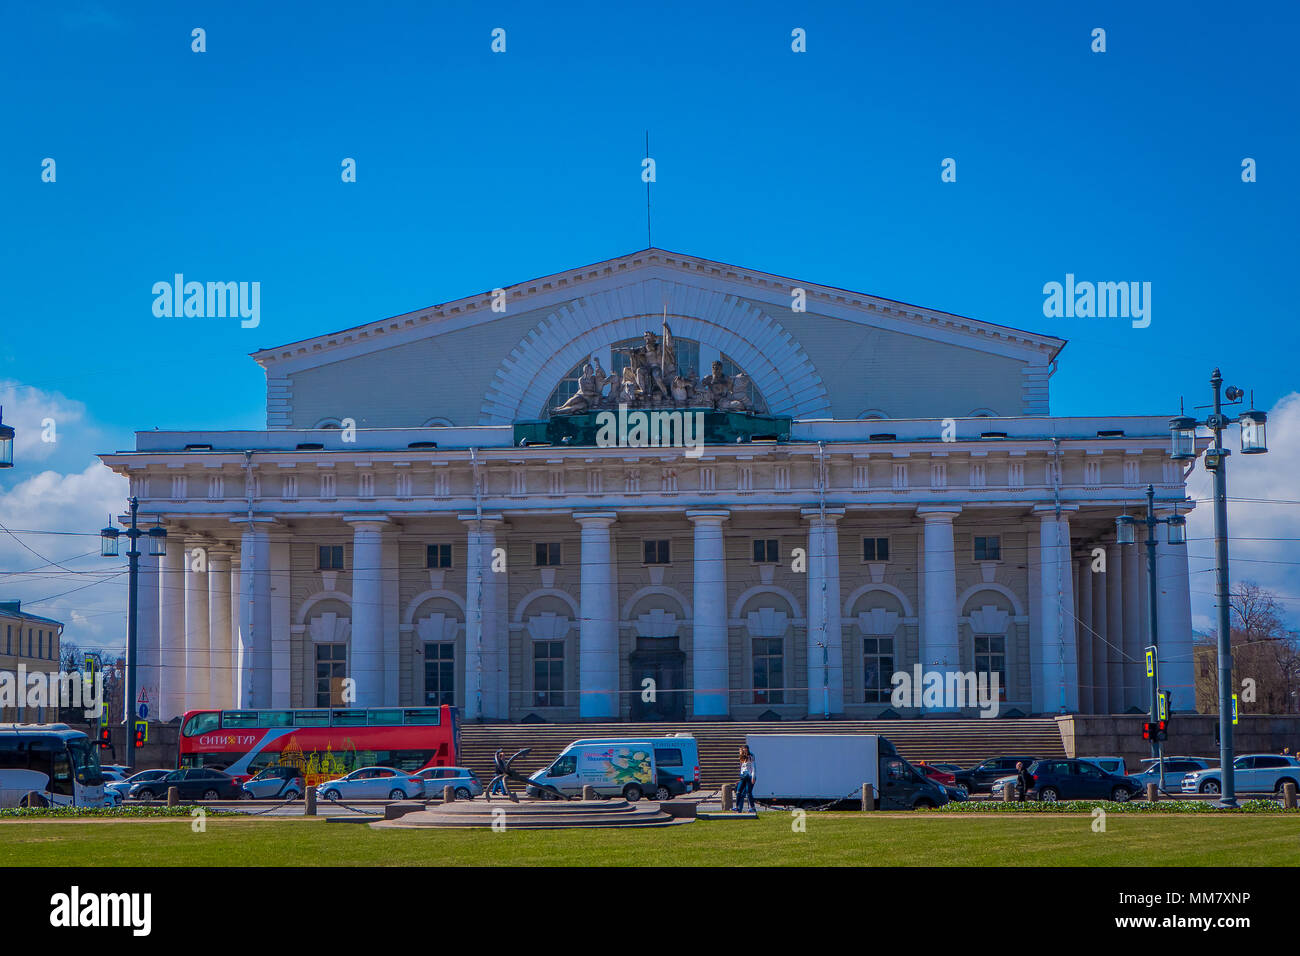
(669, 784)
(195, 784)
(980, 778)
(1079, 780)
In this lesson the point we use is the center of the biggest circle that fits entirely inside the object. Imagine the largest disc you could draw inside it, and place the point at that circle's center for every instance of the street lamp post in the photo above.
(108, 548)
(1253, 442)
(1176, 534)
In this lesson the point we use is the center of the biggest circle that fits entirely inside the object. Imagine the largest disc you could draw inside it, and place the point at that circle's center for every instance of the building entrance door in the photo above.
(660, 660)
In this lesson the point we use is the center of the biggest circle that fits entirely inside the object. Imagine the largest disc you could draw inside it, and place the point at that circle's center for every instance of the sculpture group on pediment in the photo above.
(653, 380)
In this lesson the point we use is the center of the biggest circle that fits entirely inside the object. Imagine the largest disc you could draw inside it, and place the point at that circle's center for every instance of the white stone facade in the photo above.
(789, 577)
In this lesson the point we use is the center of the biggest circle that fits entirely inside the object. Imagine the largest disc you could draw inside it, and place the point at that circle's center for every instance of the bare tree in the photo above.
(1265, 656)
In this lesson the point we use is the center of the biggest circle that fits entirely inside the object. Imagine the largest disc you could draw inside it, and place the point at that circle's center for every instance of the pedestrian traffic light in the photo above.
(1155, 730)
(141, 733)
(1162, 730)
(104, 738)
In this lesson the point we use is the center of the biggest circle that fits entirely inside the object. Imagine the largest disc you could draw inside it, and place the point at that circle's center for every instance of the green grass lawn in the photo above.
(832, 839)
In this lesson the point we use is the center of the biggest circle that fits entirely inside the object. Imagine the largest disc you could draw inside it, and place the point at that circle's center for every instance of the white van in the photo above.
(630, 767)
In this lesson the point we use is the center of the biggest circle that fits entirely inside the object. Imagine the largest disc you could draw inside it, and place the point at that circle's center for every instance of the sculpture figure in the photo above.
(590, 385)
(501, 766)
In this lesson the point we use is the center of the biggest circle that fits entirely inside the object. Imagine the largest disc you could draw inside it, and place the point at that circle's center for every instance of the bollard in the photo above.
(309, 802)
(868, 798)
(173, 796)
(1288, 795)
(1008, 793)
(1153, 792)
(728, 794)
(588, 792)
(448, 794)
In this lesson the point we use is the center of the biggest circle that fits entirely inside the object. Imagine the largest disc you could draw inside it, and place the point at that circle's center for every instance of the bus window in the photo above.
(275, 718)
(85, 762)
(238, 718)
(311, 718)
(203, 723)
(422, 716)
(383, 718)
(61, 774)
(348, 718)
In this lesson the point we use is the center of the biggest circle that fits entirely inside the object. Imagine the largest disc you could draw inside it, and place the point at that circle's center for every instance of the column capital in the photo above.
(359, 521)
(818, 514)
(492, 520)
(595, 518)
(938, 512)
(710, 516)
(262, 522)
(1048, 512)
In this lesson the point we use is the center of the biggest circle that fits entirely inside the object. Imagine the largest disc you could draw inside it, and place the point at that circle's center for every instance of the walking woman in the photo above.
(746, 786)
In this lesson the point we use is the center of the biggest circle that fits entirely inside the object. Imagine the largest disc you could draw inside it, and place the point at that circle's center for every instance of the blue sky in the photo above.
(477, 170)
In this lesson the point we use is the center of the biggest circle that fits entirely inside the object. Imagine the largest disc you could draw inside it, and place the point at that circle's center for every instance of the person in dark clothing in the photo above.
(1024, 781)
(745, 788)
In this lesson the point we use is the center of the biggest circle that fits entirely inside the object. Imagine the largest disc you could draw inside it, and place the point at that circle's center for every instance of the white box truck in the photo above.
(824, 767)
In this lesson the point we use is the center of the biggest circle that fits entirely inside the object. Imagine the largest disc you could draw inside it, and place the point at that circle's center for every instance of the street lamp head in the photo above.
(1177, 529)
(1182, 434)
(1124, 529)
(6, 443)
(108, 542)
(157, 541)
(1253, 438)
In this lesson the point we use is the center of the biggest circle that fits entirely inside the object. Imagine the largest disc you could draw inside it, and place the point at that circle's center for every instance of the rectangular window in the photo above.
(991, 658)
(656, 552)
(769, 670)
(875, 549)
(767, 551)
(877, 669)
(439, 673)
(548, 673)
(438, 556)
(331, 557)
(548, 554)
(988, 548)
(331, 669)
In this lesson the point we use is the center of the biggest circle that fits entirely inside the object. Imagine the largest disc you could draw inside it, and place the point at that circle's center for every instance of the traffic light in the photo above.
(141, 733)
(104, 737)
(1155, 730)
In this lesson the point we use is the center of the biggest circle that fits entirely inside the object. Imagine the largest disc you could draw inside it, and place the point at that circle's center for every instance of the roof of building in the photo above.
(14, 609)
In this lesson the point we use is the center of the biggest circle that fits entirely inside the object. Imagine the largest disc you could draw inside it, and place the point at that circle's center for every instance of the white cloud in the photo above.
(1263, 531)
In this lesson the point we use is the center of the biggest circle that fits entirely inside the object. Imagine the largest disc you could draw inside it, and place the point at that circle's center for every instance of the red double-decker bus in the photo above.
(322, 743)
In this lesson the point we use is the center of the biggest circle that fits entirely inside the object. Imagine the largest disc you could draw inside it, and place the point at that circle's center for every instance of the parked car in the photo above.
(946, 767)
(465, 782)
(1252, 773)
(982, 777)
(199, 783)
(1176, 769)
(275, 782)
(1109, 764)
(112, 774)
(670, 783)
(123, 787)
(377, 783)
(935, 774)
(1073, 779)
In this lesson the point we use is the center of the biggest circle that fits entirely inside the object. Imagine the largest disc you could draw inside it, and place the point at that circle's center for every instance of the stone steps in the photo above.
(535, 815)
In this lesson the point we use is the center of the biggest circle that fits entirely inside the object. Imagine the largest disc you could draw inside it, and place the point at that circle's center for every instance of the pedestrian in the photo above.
(745, 788)
(1024, 780)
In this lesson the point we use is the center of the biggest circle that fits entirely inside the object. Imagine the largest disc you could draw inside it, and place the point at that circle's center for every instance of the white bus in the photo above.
(49, 765)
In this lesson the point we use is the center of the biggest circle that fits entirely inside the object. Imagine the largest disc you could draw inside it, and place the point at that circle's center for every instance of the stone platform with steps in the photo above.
(536, 815)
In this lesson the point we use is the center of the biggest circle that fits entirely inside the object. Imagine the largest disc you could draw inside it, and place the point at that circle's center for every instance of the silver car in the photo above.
(462, 779)
(284, 783)
(123, 787)
(1176, 768)
(372, 783)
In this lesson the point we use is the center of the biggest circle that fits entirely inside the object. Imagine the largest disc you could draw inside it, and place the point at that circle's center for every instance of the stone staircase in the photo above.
(963, 742)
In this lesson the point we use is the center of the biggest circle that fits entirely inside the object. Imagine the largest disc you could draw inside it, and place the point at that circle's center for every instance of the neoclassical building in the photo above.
(884, 487)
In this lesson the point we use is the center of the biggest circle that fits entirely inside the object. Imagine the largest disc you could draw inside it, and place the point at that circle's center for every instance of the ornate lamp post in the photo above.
(1182, 432)
(108, 545)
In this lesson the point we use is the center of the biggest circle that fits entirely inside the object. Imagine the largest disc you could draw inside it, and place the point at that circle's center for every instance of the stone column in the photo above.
(598, 663)
(1083, 634)
(1059, 651)
(1174, 619)
(234, 631)
(1134, 628)
(254, 651)
(825, 634)
(198, 644)
(1115, 628)
(367, 664)
(485, 654)
(709, 642)
(1100, 640)
(148, 650)
(171, 627)
(940, 645)
(220, 684)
